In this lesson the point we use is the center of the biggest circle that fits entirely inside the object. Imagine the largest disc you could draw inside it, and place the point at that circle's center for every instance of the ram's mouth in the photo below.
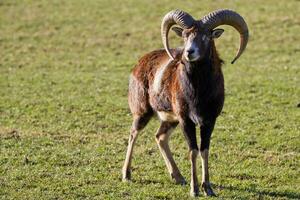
(192, 57)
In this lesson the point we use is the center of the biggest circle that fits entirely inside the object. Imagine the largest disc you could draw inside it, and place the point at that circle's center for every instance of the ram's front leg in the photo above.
(206, 131)
(189, 131)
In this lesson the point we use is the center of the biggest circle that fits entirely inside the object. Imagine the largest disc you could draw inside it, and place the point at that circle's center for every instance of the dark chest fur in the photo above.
(203, 92)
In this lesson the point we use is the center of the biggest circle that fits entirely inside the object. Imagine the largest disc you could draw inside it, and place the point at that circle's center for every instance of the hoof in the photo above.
(126, 180)
(179, 179)
(206, 187)
(195, 193)
(126, 175)
(181, 182)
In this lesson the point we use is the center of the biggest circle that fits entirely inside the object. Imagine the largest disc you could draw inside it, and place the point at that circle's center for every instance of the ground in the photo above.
(64, 118)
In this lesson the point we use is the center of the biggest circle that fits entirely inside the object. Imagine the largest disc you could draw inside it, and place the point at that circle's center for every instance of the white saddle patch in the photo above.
(167, 116)
(159, 76)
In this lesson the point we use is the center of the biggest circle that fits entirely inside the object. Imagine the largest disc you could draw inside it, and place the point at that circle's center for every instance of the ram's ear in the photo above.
(217, 33)
(178, 31)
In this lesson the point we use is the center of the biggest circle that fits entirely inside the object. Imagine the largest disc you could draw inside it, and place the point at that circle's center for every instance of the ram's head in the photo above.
(197, 34)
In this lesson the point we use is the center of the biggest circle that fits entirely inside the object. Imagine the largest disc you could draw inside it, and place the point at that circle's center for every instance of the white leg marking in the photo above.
(205, 175)
(204, 159)
(194, 180)
(167, 116)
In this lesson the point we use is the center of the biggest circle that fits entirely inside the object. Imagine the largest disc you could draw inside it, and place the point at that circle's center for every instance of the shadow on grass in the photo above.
(258, 192)
(146, 181)
(261, 193)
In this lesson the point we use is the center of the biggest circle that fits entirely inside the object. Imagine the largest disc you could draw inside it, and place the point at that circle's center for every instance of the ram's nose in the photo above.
(191, 54)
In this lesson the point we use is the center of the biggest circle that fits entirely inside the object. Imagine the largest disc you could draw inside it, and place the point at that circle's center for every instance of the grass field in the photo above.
(64, 119)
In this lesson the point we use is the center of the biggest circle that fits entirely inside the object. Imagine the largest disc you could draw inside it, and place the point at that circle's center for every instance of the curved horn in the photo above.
(228, 17)
(179, 17)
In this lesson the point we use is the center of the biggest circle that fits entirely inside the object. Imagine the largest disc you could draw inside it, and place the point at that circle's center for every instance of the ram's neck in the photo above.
(196, 77)
(198, 82)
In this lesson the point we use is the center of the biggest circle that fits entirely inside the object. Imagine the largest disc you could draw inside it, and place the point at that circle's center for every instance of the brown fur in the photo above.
(142, 98)
(189, 94)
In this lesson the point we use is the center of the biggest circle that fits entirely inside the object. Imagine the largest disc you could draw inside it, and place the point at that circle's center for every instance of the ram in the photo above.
(183, 86)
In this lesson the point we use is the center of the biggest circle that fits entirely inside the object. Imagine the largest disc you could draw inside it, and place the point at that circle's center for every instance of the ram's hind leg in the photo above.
(162, 139)
(139, 122)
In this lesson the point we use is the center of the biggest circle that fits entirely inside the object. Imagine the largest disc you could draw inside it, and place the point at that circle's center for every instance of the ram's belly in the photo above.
(167, 116)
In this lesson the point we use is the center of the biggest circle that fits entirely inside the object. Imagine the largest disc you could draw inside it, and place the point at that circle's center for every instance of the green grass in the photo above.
(64, 119)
